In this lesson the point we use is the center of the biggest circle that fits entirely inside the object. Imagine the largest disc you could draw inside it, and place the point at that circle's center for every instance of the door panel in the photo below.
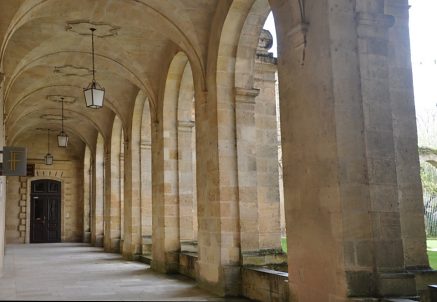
(53, 219)
(38, 220)
(45, 222)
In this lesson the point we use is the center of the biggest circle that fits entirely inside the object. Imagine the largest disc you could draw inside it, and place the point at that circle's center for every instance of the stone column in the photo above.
(112, 202)
(146, 195)
(165, 204)
(372, 29)
(405, 138)
(340, 173)
(86, 201)
(217, 193)
(410, 194)
(247, 168)
(185, 177)
(267, 154)
(2, 185)
(132, 201)
(97, 206)
(121, 197)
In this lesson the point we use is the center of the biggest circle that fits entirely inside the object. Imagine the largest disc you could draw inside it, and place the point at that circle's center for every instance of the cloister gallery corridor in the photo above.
(169, 130)
(77, 271)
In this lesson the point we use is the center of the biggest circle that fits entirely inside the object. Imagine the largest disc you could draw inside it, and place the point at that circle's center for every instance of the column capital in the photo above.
(145, 145)
(397, 7)
(186, 126)
(246, 95)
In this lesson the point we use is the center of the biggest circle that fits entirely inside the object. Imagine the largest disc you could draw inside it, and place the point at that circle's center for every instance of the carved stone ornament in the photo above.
(82, 27)
(70, 70)
(57, 98)
(52, 117)
(265, 42)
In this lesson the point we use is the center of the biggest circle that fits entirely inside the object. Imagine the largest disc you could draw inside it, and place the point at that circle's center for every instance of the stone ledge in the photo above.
(396, 285)
(188, 264)
(264, 284)
(264, 257)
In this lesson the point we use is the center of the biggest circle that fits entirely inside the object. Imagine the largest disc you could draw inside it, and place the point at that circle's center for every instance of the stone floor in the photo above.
(74, 271)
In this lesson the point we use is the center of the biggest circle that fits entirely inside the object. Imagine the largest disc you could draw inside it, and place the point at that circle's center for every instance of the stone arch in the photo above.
(258, 180)
(186, 146)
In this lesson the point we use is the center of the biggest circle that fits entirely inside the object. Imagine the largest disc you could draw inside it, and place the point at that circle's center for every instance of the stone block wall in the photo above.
(265, 285)
(18, 201)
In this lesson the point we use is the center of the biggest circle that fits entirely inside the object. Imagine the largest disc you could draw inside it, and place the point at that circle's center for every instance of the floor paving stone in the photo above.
(76, 271)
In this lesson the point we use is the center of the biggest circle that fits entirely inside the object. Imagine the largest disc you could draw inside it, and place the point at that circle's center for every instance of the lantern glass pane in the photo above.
(48, 159)
(62, 140)
(94, 97)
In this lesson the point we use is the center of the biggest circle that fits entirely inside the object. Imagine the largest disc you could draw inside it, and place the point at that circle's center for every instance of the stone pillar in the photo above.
(146, 188)
(405, 138)
(247, 169)
(410, 194)
(2, 216)
(132, 201)
(2, 184)
(97, 206)
(340, 173)
(112, 202)
(165, 204)
(372, 30)
(217, 193)
(87, 192)
(187, 207)
(121, 197)
(267, 154)
(146, 193)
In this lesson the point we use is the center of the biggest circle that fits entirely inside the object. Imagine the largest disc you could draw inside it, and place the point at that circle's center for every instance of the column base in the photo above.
(99, 241)
(228, 283)
(365, 284)
(87, 237)
(113, 245)
(131, 251)
(396, 285)
(170, 265)
(424, 277)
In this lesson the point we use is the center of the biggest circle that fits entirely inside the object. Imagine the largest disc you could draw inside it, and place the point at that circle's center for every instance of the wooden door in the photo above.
(45, 220)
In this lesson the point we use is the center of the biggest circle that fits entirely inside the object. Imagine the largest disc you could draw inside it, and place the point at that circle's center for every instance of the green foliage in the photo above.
(432, 252)
(432, 256)
(284, 244)
(429, 179)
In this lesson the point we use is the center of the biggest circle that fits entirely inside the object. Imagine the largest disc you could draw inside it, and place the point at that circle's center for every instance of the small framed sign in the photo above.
(14, 161)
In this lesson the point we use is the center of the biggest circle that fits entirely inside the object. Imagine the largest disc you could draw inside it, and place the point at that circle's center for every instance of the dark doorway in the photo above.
(45, 220)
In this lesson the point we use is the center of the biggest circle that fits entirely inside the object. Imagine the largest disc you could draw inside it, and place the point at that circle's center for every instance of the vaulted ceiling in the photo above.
(46, 55)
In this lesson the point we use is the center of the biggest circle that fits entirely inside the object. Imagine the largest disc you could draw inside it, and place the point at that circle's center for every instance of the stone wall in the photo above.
(265, 285)
(18, 201)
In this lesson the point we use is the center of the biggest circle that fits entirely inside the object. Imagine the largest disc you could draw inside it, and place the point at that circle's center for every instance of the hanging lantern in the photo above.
(94, 93)
(48, 158)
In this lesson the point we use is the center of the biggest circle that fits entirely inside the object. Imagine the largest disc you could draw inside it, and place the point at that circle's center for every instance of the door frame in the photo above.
(28, 203)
